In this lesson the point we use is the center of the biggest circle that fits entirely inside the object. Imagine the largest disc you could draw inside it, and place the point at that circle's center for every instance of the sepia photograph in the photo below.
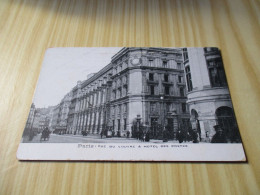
(132, 95)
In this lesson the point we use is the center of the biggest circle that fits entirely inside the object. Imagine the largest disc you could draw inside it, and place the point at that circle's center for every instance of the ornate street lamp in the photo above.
(138, 123)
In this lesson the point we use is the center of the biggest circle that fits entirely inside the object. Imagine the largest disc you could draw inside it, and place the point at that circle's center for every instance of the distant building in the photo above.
(144, 85)
(60, 115)
(208, 95)
(44, 122)
(30, 118)
(42, 117)
(55, 117)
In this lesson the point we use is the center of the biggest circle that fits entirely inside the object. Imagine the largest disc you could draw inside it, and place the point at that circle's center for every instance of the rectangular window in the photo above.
(152, 89)
(152, 106)
(166, 77)
(179, 66)
(150, 63)
(151, 76)
(183, 107)
(217, 73)
(181, 91)
(180, 79)
(185, 54)
(125, 94)
(188, 78)
(164, 64)
(119, 94)
(118, 124)
(167, 90)
(113, 123)
(125, 108)
(115, 95)
(125, 124)
(119, 109)
(168, 107)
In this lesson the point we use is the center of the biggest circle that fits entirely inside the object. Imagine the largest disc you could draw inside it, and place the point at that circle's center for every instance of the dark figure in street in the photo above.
(180, 136)
(198, 129)
(194, 136)
(127, 134)
(141, 135)
(147, 136)
(165, 135)
(84, 133)
(102, 133)
(45, 134)
(220, 136)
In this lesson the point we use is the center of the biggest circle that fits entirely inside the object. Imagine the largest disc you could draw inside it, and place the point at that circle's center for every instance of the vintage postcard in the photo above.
(132, 104)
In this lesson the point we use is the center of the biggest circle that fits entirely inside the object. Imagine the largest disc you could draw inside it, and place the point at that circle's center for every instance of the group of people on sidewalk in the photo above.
(191, 135)
(219, 137)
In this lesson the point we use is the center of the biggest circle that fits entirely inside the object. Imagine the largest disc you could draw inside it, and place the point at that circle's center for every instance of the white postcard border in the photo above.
(131, 152)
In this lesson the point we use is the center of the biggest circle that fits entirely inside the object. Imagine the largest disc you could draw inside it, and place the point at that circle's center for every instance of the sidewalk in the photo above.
(96, 136)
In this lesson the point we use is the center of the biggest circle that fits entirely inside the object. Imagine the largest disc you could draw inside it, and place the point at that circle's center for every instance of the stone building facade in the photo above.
(60, 112)
(208, 94)
(139, 84)
(30, 118)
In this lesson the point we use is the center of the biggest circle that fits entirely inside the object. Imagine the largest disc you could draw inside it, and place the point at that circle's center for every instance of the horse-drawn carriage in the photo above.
(84, 133)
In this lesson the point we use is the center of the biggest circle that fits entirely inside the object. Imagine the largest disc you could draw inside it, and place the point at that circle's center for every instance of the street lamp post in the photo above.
(162, 112)
(138, 122)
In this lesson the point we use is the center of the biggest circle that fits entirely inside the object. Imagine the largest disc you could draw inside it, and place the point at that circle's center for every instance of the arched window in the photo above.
(194, 114)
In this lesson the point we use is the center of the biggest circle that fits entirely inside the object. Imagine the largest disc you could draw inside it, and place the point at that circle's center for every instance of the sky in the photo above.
(63, 67)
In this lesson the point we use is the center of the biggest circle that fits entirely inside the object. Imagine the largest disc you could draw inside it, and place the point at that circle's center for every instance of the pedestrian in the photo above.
(198, 129)
(180, 136)
(128, 133)
(101, 134)
(165, 135)
(220, 136)
(147, 136)
(141, 135)
(194, 135)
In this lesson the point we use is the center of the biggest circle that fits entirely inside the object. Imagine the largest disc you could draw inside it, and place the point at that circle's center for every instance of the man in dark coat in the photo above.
(220, 136)
(128, 133)
(180, 136)
(102, 133)
(194, 135)
(147, 136)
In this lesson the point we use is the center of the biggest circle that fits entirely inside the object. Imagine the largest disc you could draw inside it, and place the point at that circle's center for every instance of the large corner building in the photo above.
(145, 85)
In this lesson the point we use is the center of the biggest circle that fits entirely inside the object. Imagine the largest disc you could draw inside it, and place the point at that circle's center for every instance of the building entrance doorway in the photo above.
(154, 127)
(170, 128)
(226, 120)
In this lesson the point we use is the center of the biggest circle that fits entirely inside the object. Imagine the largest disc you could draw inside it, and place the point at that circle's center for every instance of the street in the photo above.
(54, 138)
